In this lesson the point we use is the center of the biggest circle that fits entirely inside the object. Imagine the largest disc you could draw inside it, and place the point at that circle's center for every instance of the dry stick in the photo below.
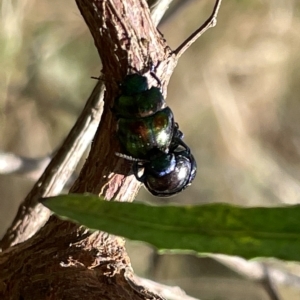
(32, 215)
(210, 22)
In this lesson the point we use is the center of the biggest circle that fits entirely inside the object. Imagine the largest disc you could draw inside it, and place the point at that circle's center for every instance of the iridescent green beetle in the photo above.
(151, 138)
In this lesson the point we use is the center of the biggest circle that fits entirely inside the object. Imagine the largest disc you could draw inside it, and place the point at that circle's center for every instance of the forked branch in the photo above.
(209, 23)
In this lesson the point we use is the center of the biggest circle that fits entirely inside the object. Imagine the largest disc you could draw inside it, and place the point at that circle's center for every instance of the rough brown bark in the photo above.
(64, 261)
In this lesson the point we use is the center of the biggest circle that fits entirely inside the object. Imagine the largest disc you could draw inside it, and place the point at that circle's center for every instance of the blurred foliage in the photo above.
(235, 94)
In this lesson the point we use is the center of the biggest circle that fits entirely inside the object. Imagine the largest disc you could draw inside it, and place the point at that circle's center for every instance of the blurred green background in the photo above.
(235, 94)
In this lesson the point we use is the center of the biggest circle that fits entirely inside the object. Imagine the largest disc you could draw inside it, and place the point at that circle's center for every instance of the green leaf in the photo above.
(210, 228)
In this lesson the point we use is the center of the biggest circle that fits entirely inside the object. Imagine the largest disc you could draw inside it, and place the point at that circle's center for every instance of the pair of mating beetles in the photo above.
(151, 138)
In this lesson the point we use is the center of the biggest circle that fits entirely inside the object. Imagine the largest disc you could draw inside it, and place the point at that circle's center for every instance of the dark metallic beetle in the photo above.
(150, 137)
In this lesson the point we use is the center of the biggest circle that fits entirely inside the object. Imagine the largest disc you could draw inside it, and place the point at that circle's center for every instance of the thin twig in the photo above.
(210, 22)
(32, 215)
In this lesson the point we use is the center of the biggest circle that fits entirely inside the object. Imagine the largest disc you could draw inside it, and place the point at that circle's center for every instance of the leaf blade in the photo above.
(213, 228)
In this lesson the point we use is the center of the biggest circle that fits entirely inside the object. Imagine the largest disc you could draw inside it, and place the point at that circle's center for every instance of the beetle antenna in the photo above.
(130, 158)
